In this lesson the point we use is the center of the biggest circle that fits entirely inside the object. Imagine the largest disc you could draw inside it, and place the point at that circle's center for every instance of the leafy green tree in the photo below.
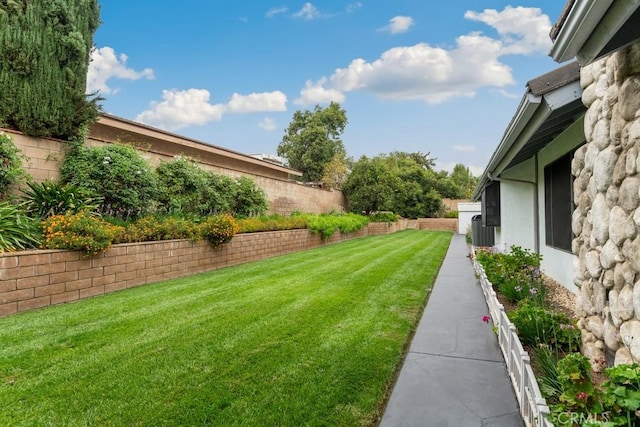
(313, 139)
(44, 57)
(462, 177)
(335, 172)
(371, 186)
(402, 182)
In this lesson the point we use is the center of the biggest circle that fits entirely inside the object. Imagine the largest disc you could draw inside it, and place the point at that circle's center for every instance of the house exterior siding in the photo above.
(517, 207)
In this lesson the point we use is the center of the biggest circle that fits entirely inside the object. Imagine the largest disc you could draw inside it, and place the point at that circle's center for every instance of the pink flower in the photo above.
(581, 396)
(486, 318)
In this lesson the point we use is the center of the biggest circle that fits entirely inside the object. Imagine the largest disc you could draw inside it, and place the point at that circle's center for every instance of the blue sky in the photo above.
(413, 75)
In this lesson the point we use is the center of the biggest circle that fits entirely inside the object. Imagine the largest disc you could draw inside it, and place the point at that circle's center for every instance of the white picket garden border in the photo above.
(533, 407)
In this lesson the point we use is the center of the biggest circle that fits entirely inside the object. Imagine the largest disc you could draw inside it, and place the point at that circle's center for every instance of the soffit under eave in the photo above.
(556, 123)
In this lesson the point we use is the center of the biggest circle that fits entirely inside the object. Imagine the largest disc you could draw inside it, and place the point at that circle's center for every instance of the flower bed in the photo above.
(565, 377)
(533, 406)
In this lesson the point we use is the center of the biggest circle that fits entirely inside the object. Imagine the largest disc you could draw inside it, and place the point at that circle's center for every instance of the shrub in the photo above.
(118, 173)
(249, 199)
(218, 229)
(516, 275)
(152, 228)
(270, 223)
(17, 230)
(183, 188)
(11, 171)
(383, 217)
(451, 214)
(327, 224)
(80, 231)
(536, 325)
(50, 198)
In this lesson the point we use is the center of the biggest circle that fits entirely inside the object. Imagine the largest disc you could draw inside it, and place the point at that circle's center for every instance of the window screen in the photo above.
(491, 205)
(558, 202)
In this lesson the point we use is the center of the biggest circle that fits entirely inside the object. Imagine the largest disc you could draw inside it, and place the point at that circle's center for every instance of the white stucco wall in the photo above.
(516, 208)
(556, 263)
(466, 211)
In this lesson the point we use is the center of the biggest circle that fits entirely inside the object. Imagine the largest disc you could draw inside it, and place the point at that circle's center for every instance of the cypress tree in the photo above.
(44, 56)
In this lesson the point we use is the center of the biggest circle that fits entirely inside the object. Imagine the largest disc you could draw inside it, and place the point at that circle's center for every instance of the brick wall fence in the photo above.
(33, 279)
(445, 224)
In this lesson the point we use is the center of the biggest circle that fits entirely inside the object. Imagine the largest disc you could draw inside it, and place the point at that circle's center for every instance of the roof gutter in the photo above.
(525, 112)
(610, 24)
(578, 27)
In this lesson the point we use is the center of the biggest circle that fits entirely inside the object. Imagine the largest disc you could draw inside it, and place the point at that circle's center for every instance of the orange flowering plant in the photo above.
(80, 231)
(218, 229)
(151, 228)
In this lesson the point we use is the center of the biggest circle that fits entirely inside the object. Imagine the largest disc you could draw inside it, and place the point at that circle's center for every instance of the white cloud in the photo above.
(352, 7)
(522, 30)
(464, 148)
(429, 73)
(308, 12)
(316, 93)
(276, 11)
(398, 24)
(268, 124)
(436, 74)
(182, 108)
(105, 65)
(257, 102)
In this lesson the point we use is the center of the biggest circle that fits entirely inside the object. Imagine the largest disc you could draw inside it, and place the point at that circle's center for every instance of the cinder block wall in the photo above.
(443, 224)
(44, 157)
(33, 279)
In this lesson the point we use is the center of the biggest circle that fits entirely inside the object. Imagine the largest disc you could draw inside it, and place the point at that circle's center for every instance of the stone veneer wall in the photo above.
(606, 221)
(33, 279)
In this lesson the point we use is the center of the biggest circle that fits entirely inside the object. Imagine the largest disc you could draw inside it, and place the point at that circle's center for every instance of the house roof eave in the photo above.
(528, 106)
(585, 32)
(533, 126)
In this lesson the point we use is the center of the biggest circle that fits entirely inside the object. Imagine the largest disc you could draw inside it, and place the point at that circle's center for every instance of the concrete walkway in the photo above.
(454, 374)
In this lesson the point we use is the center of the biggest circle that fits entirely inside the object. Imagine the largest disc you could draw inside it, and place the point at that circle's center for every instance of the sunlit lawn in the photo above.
(312, 338)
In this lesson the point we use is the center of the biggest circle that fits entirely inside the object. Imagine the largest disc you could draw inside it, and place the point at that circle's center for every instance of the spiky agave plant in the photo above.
(51, 198)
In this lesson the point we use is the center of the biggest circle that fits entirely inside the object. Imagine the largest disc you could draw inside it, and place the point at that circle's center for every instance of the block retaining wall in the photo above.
(443, 224)
(34, 279)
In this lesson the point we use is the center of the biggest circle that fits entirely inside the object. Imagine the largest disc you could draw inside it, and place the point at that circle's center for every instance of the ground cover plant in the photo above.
(311, 338)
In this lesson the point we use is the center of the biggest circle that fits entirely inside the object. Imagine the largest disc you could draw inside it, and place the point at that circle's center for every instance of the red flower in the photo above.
(486, 318)
(581, 396)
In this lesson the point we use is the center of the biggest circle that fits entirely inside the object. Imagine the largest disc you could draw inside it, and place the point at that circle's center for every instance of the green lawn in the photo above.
(312, 338)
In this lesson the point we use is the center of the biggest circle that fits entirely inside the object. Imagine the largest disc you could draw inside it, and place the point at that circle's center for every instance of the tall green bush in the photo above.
(186, 189)
(118, 174)
(44, 57)
(182, 187)
(249, 200)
